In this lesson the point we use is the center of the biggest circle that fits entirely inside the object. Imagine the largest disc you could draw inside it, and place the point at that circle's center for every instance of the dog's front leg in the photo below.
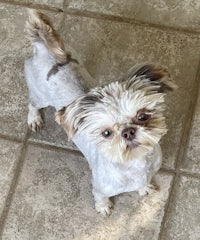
(35, 121)
(103, 204)
(150, 188)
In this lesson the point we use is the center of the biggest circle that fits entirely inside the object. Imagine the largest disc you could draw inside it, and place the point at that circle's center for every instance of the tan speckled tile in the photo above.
(55, 4)
(53, 200)
(191, 159)
(9, 154)
(183, 219)
(53, 197)
(13, 92)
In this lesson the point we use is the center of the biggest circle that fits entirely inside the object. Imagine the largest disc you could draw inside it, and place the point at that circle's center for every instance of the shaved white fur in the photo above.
(60, 89)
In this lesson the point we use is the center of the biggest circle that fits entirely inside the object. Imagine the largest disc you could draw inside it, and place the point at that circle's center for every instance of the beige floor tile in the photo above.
(13, 89)
(53, 200)
(191, 159)
(108, 49)
(183, 220)
(51, 133)
(14, 48)
(53, 197)
(9, 154)
(173, 13)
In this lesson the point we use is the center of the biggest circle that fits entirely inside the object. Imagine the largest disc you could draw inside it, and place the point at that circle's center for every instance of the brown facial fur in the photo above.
(116, 106)
(59, 116)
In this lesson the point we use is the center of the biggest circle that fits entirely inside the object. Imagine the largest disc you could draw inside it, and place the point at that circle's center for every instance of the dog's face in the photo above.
(125, 119)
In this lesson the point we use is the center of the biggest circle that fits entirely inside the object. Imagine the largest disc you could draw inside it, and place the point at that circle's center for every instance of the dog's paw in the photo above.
(104, 208)
(149, 189)
(35, 123)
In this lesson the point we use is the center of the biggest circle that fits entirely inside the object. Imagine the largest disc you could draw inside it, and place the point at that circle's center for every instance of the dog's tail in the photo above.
(39, 29)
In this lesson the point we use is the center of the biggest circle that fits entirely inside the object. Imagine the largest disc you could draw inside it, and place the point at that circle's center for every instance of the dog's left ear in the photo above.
(156, 74)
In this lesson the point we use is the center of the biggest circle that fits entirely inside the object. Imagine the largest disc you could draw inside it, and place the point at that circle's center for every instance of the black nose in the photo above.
(128, 134)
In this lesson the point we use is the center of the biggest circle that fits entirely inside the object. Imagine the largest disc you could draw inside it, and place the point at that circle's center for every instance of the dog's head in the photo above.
(125, 119)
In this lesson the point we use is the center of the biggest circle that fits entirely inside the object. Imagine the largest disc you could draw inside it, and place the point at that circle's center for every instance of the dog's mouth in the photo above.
(131, 145)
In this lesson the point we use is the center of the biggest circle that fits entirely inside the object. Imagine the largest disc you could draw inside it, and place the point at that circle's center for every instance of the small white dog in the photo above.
(117, 127)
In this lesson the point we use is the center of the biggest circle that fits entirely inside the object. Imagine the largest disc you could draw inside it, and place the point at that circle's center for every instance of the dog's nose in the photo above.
(128, 134)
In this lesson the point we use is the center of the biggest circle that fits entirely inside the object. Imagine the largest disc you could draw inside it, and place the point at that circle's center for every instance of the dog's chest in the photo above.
(124, 178)
(115, 178)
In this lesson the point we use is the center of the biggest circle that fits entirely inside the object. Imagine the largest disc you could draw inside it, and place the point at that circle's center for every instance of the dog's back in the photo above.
(53, 77)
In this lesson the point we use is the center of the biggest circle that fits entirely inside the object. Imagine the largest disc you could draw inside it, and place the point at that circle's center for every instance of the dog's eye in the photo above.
(107, 133)
(143, 117)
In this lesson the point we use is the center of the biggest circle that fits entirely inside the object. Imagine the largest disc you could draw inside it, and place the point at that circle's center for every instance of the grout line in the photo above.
(189, 174)
(14, 182)
(12, 138)
(182, 150)
(167, 205)
(54, 147)
(32, 5)
(65, 4)
(181, 172)
(122, 19)
(79, 153)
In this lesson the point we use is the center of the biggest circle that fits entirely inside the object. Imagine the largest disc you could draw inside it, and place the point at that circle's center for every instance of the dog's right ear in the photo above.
(59, 116)
(75, 116)
(61, 119)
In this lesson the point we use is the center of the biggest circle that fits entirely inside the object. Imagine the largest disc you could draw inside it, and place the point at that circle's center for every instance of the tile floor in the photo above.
(45, 183)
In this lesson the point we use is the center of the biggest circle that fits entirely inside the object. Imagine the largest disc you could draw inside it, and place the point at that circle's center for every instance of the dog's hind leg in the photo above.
(35, 121)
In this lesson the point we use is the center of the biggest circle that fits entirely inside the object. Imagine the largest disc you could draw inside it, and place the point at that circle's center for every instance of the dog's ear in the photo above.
(75, 116)
(157, 75)
(67, 123)
(59, 116)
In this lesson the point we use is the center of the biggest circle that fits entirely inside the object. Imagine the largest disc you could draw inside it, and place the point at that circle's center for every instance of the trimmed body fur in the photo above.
(53, 77)
(112, 178)
(117, 127)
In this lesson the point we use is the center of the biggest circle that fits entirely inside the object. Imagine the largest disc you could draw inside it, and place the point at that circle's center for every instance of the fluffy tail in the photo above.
(40, 29)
